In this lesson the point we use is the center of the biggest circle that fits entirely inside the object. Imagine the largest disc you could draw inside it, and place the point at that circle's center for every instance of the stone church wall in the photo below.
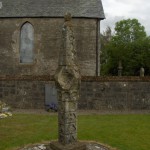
(47, 43)
(96, 94)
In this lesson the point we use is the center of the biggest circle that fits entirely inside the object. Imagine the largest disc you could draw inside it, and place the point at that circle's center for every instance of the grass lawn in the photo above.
(125, 132)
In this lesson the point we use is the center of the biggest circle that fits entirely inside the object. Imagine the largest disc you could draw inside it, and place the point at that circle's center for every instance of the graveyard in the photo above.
(52, 94)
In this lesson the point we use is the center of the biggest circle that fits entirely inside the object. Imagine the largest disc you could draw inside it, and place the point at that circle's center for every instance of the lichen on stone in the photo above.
(4, 110)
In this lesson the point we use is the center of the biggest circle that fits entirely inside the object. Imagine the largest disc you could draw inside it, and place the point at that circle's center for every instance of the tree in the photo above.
(105, 38)
(129, 30)
(130, 46)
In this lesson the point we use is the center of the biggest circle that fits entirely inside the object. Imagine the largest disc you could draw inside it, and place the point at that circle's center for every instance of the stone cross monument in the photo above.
(67, 79)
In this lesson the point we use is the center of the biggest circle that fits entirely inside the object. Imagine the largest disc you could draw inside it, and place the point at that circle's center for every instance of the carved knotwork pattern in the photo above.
(67, 106)
(67, 128)
(67, 79)
(65, 118)
(67, 139)
(68, 96)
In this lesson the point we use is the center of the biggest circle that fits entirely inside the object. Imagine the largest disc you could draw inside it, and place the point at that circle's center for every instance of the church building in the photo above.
(31, 37)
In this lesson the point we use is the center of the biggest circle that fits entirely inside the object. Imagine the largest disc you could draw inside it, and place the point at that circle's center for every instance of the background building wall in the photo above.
(47, 43)
(95, 95)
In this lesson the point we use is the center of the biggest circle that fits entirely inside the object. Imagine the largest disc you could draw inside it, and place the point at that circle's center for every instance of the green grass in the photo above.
(125, 132)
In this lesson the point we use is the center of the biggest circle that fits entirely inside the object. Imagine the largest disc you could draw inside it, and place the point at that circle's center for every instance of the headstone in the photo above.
(67, 79)
(142, 72)
(51, 97)
(120, 68)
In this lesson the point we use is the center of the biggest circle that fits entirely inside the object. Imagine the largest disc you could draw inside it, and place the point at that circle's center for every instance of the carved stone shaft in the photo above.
(67, 79)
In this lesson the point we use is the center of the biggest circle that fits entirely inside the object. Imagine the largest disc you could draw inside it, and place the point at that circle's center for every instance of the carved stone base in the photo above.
(74, 146)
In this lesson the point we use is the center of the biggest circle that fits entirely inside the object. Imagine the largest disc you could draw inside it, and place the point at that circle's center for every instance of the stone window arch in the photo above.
(26, 43)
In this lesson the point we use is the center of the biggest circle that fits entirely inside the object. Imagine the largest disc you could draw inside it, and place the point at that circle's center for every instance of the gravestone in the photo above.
(120, 68)
(67, 79)
(142, 72)
(50, 97)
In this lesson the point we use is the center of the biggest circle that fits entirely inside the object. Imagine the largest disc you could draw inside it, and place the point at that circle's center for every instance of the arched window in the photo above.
(26, 43)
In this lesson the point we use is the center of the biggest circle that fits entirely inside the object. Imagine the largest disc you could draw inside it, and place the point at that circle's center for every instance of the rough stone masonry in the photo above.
(67, 79)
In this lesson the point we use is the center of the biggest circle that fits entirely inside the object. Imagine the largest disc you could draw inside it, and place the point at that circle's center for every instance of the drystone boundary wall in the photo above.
(97, 93)
(115, 93)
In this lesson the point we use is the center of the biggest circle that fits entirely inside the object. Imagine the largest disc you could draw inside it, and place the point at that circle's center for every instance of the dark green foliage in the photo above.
(130, 46)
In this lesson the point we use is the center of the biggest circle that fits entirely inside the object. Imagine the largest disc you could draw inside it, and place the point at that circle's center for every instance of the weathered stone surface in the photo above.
(101, 94)
(47, 43)
(67, 80)
(142, 72)
(24, 94)
(67, 106)
(82, 145)
(67, 117)
(75, 146)
(120, 68)
(123, 96)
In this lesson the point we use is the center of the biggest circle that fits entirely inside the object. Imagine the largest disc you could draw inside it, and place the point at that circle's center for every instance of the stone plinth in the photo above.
(74, 146)
(81, 145)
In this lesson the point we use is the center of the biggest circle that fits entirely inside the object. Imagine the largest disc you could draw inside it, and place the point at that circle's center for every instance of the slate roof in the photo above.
(51, 8)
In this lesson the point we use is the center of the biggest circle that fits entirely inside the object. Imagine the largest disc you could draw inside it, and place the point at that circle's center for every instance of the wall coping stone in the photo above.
(115, 79)
(83, 78)
(27, 78)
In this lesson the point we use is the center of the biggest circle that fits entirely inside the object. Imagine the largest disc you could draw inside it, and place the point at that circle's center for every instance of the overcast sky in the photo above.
(116, 10)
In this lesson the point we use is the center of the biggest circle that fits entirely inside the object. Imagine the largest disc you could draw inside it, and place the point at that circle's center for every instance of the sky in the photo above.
(116, 10)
